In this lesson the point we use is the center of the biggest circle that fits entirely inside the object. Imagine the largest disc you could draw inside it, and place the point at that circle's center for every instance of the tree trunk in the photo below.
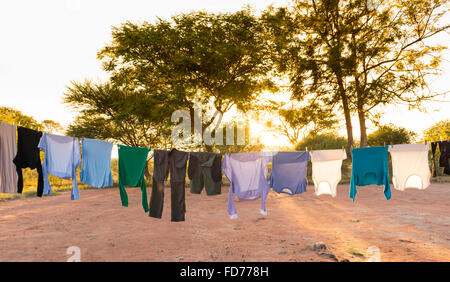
(348, 120)
(362, 125)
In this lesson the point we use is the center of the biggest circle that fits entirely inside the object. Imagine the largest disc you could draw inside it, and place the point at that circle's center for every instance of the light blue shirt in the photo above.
(96, 163)
(62, 157)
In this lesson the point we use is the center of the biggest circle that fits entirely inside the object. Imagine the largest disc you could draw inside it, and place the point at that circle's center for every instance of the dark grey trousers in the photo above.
(177, 197)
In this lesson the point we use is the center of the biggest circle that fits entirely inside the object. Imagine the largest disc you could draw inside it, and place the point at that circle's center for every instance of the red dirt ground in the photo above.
(413, 226)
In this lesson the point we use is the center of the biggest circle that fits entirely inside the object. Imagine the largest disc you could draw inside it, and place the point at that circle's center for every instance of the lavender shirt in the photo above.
(289, 172)
(247, 173)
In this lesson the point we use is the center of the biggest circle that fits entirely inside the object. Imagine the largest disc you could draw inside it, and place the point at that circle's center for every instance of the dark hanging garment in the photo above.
(164, 161)
(433, 152)
(216, 169)
(28, 156)
(193, 166)
(200, 172)
(444, 159)
(160, 173)
(177, 167)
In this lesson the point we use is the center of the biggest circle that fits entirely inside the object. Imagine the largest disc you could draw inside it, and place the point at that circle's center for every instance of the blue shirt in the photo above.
(289, 171)
(62, 157)
(96, 163)
(370, 166)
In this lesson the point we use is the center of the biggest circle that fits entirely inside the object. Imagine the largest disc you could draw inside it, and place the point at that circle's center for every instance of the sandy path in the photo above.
(413, 226)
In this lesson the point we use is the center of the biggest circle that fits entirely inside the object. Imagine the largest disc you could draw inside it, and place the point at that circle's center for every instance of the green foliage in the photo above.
(390, 135)
(11, 115)
(311, 119)
(437, 131)
(114, 113)
(221, 60)
(218, 58)
(343, 53)
(322, 142)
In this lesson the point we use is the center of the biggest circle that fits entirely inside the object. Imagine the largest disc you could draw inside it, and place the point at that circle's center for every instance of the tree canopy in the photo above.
(358, 56)
(219, 60)
(338, 56)
(114, 113)
(11, 115)
(439, 130)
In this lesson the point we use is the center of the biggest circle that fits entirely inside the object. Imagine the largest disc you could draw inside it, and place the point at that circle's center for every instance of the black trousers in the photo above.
(156, 202)
(177, 197)
(40, 186)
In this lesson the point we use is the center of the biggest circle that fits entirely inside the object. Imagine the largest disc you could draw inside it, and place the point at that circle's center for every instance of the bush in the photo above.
(322, 142)
(390, 134)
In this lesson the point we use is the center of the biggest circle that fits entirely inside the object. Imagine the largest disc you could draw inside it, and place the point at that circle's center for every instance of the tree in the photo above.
(11, 115)
(113, 113)
(307, 45)
(439, 130)
(390, 58)
(118, 114)
(390, 135)
(51, 126)
(346, 52)
(220, 60)
(297, 121)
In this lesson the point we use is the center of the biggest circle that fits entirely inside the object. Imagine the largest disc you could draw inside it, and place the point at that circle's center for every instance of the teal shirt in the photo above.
(370, 166)
(132, 162)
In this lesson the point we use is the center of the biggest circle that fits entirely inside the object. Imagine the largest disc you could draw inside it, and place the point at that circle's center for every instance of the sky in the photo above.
(47, 44)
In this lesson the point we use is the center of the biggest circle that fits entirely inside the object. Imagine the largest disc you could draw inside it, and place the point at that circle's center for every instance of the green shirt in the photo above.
(132, 161)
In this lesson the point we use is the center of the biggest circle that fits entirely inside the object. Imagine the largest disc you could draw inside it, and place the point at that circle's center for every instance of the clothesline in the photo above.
(247, 172)
(306, 148)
